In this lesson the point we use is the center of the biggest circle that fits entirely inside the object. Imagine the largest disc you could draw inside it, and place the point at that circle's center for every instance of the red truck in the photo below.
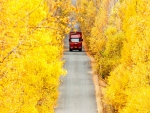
(75, 41)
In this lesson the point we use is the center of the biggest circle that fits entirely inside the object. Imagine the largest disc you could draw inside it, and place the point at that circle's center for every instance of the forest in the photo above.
(117, 34)
(31, 51)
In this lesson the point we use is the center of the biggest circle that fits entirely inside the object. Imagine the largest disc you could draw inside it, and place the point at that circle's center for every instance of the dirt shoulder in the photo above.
(100, 87)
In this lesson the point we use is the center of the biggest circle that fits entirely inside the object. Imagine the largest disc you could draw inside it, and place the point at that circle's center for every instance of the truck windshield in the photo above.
(74, 39)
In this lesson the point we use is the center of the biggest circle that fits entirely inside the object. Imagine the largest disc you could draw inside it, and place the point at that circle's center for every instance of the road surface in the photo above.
(77, 93)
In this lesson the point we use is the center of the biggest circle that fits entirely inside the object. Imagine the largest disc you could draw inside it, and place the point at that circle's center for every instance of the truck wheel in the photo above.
(70, 49)
(80, 49)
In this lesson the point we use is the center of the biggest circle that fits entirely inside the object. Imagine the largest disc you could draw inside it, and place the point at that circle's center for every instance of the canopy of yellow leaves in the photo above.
(31, 49)
(120, 43)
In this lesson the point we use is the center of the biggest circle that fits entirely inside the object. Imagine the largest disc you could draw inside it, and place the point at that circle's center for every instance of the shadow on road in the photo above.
(75, 51)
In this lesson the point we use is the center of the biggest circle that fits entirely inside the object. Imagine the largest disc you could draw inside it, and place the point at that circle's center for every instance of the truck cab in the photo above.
(75, 41)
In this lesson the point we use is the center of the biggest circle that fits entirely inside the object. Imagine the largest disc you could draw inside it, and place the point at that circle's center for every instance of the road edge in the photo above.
(98, 90)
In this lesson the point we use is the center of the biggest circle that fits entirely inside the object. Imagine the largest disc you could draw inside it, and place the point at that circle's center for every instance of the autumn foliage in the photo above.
(31, 49)
(120, 43)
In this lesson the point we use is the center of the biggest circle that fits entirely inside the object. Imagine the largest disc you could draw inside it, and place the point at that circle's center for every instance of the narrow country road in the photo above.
(77, 94)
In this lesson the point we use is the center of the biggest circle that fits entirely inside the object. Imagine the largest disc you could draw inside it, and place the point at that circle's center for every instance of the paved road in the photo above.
(77, 94)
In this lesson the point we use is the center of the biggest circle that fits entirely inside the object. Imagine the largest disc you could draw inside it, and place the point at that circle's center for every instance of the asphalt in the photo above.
(77, 93)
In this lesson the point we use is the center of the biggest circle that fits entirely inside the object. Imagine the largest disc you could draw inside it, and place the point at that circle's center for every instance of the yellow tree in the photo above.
(86, 17)
(132, 75)
(31, 51)
(119, 40)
